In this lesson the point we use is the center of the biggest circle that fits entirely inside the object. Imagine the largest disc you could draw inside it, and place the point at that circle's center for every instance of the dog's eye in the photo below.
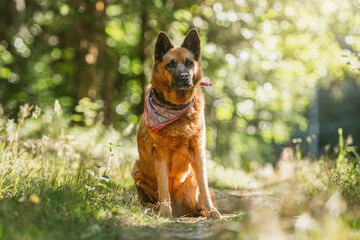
(189, 63)
(171, 64)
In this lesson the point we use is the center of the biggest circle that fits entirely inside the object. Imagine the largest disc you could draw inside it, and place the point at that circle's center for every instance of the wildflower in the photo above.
(89, 188)
(25, 111)
(57, 107)
(36, 113)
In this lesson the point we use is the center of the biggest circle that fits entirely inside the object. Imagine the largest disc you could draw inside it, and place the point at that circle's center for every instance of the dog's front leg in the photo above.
(200, 169)
(162, 176)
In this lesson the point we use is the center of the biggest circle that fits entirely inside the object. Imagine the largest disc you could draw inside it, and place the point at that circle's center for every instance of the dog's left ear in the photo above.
(192, 43)
(162, 46)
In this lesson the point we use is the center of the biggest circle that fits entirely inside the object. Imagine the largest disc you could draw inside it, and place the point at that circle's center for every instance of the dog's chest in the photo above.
(183, 139)
(180, 138)
(184, 130)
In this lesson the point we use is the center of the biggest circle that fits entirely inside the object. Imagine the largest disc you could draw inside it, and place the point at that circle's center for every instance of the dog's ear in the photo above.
(162, 46)
(192, 43)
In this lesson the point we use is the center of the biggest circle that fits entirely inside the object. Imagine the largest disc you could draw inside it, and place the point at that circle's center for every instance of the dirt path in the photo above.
(233, 205)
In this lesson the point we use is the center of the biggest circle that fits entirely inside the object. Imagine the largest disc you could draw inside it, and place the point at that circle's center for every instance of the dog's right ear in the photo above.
(192, 43)
(162, 46)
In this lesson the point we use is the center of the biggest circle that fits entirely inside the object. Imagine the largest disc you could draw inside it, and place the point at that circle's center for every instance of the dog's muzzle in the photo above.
(182, 80)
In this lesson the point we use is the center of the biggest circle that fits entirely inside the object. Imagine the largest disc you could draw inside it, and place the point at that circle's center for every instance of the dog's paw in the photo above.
(165, 211)
(212, 213)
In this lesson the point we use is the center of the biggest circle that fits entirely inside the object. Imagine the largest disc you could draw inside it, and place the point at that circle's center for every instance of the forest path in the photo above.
(234, 205)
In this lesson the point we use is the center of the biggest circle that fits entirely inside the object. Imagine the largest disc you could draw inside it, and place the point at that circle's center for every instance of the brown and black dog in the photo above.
(172, 168)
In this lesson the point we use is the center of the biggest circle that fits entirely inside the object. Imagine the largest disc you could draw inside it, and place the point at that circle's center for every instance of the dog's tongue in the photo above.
(205, 84)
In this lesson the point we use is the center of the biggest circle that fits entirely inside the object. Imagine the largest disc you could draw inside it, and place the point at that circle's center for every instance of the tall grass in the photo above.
(59, 181)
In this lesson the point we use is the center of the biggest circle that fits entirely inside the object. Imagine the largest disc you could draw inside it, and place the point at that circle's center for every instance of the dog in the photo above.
(171, 170)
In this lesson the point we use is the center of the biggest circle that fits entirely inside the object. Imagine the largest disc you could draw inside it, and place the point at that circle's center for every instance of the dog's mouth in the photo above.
(182, 85)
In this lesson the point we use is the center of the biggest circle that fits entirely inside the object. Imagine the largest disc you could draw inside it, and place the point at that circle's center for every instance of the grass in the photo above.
(66, 182)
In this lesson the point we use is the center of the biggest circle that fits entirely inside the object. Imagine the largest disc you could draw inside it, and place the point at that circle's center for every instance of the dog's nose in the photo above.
(184, 76)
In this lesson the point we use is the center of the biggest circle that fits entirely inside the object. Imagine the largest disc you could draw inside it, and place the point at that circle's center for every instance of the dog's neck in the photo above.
(160, 97)
(175, 97)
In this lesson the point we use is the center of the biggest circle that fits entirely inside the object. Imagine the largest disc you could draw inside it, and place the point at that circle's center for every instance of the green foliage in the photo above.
(341, 157)
(265, 59)
(297, 143)
(346, 177)
(88, 111)
(62, 186)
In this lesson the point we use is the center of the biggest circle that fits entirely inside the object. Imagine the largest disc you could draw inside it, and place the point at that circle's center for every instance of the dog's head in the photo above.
(177, 69)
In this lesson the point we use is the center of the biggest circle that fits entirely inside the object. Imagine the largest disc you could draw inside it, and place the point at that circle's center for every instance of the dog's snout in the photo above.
(184, 76)
(182, 80)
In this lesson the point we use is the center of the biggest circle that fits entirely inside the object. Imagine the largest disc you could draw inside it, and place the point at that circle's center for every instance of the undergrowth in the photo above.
(63, 181)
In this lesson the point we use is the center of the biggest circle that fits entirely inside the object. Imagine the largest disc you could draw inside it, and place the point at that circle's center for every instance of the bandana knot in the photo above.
(159, 113)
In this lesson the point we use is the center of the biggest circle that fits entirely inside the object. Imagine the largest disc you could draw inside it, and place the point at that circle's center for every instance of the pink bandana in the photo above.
(158, 114)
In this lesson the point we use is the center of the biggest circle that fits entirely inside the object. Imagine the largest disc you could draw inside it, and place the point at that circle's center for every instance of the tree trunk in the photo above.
(314, 126)
(142, 55)
(106, 65)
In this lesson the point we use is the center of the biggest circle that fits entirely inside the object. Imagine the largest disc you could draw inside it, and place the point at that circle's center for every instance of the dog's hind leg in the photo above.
(145, 192)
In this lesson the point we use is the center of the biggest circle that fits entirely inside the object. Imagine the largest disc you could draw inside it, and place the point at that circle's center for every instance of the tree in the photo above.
(264, 58)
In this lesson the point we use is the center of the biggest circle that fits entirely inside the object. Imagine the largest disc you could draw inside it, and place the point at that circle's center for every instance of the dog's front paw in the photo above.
(165, 211)
(212, 213)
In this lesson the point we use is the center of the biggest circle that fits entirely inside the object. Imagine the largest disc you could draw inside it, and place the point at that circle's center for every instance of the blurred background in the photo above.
(284, 73)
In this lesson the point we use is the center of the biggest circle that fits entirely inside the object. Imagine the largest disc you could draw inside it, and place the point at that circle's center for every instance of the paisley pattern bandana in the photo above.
(158, 113)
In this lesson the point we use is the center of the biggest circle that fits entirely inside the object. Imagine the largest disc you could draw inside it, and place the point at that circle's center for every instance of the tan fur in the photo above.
(172, 165)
